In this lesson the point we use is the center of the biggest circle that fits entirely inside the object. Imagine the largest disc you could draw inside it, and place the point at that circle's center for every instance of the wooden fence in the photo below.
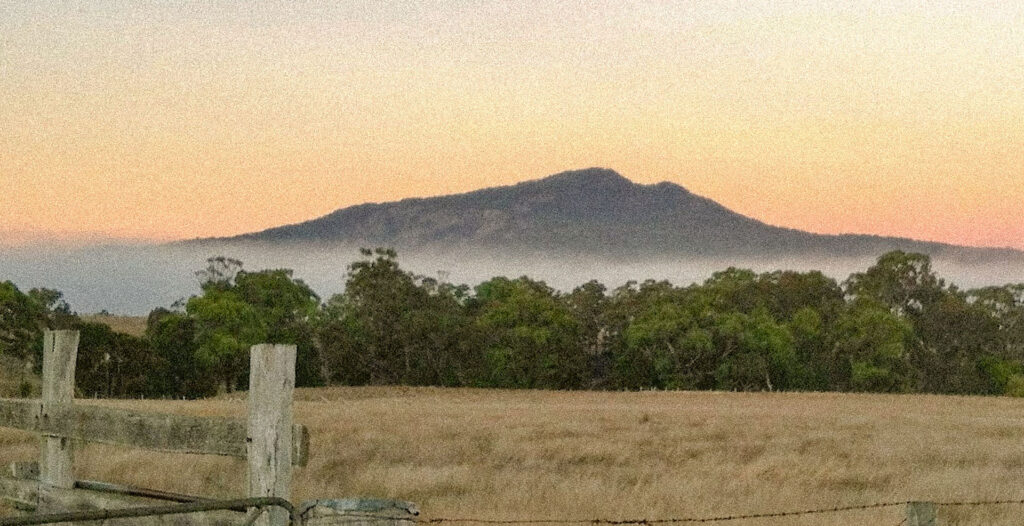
(268, 440)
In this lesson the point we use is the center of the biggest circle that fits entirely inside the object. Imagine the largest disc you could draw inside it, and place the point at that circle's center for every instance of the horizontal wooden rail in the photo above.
(154, 431)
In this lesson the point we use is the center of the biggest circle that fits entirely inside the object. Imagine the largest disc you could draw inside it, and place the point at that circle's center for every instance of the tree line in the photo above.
(896, 327)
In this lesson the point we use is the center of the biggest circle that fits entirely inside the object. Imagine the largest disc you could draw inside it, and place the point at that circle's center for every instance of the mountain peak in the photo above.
(590, 176)
(607, 179)
(588, 211)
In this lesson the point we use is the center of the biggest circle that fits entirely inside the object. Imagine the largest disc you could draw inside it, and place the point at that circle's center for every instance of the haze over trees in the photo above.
(895, 327)
(564, 229)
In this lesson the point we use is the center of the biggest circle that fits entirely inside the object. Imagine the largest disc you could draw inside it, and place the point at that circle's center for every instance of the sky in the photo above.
(174, 120)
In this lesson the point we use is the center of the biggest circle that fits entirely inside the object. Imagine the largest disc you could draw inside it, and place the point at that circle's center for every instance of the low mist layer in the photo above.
(134, 279)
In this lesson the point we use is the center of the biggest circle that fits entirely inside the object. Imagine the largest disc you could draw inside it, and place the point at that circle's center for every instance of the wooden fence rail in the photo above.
(153, 431)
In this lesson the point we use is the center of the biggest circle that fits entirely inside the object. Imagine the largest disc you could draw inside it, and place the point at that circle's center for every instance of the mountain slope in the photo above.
(593, 211)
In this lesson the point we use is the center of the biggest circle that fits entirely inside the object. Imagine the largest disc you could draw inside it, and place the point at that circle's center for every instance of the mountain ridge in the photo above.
(591, 211)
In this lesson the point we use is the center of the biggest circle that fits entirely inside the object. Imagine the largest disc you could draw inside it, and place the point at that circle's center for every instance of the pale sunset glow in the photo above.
(145, 120)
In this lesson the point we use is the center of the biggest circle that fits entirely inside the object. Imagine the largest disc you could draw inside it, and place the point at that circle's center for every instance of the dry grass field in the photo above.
(529, 454)
(133, 325)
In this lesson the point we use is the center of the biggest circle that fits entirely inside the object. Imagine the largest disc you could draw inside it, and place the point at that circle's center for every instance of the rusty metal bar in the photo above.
(132, 491)
(150, 511)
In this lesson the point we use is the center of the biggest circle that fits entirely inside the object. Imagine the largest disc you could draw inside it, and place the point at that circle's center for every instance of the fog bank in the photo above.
(135, 278)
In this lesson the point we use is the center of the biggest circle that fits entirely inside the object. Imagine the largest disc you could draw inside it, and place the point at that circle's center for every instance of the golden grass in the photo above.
(133, 325)
(528, 454)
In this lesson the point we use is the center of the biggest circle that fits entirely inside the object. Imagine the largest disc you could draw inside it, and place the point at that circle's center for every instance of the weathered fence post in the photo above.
(921, 514)
(271, 384)
(60, 350)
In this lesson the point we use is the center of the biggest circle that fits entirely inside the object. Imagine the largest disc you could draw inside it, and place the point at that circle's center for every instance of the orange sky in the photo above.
(141, 121)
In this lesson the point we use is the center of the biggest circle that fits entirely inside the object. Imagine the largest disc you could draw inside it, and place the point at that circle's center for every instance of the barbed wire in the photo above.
(621, 522)
(978, 502)
(354, 517)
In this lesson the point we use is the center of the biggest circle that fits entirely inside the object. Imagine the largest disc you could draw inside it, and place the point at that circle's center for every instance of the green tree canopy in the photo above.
(531, 335)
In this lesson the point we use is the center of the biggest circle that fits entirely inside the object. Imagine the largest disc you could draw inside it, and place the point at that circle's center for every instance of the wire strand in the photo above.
(354, 517)
(614, 522)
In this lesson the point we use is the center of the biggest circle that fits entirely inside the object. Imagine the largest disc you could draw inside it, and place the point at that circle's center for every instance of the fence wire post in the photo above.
(921, 514)
(269, 448)
(56, 458)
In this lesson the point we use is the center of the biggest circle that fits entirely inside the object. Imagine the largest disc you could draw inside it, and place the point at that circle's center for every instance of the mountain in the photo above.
(589, 212)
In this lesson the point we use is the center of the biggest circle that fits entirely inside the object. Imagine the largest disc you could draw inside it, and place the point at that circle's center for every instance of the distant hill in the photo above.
(589, 212)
